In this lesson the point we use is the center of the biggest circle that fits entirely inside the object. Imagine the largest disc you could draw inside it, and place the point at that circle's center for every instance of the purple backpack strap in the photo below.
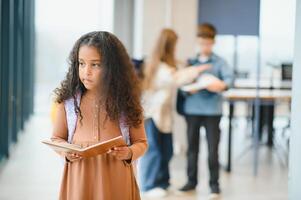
(71, 115)
(125, 131)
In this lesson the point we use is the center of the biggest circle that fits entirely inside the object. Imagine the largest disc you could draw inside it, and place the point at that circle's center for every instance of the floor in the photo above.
(33, 171)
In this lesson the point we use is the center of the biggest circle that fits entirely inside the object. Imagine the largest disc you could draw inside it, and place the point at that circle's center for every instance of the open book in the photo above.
(90, 151)
(201, 83)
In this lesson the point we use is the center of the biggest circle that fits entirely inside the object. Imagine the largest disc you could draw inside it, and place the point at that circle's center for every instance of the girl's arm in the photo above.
(137, 149)
(138, 141)
(189, 74)
(60, 130)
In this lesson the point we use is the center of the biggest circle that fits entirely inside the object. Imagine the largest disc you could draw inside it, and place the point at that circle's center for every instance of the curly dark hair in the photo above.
(120, 87)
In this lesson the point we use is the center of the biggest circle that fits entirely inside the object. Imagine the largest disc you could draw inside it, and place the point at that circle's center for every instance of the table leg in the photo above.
(231, 111)
(270, 126)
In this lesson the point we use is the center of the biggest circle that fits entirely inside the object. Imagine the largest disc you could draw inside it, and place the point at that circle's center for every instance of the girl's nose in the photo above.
(88, 70)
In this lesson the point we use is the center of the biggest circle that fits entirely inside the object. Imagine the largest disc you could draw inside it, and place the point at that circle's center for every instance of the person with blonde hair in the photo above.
(161, 78)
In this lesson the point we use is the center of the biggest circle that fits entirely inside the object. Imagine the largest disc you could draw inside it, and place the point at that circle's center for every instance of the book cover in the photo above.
(93, 150)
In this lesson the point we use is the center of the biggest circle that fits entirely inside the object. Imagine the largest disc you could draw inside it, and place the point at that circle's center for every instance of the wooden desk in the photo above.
(265, 96)
(242, 83)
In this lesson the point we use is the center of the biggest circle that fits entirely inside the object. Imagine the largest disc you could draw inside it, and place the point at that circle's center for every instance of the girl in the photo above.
(160, 81)
(99, 100)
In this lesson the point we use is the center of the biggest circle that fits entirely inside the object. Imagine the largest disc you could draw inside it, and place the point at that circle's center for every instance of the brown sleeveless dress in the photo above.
(102, 177)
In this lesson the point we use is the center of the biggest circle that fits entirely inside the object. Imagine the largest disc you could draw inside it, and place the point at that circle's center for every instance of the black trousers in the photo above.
(211, 124)
(266, 118)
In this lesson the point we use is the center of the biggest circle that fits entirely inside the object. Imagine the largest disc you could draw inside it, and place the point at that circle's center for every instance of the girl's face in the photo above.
(89, 67)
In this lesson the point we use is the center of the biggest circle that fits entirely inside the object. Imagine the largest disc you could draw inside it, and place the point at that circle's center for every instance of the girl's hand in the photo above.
(203, 67)
(121, 153)
(72, 157)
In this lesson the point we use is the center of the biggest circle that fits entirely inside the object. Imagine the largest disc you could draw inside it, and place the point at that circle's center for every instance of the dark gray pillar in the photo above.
(16, 69)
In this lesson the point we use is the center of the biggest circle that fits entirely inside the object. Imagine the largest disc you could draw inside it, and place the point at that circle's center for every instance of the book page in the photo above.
(201, 83)
(93, 150)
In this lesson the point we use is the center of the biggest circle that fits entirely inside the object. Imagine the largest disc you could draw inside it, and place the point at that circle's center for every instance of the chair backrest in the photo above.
(286, 71)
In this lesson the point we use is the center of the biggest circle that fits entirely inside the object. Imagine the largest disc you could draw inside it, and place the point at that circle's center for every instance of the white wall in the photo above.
(153, 22)
(295, 139)
(59, 23)
(153, 15)
(277, 25)
(184, 21)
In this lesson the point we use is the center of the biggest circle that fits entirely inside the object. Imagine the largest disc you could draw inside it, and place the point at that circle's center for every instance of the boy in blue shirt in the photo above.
(204, 108)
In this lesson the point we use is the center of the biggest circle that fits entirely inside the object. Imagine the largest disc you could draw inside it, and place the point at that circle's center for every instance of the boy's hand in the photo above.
(193, 92)
(217, 86)
(121, 153)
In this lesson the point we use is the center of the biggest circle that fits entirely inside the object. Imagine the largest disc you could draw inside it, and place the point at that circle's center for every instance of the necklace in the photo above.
(95, 121)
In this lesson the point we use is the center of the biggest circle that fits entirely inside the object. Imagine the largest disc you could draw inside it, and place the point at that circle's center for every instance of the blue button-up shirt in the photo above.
(204, 102)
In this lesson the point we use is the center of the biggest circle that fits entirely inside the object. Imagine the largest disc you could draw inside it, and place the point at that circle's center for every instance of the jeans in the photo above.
(153, 168)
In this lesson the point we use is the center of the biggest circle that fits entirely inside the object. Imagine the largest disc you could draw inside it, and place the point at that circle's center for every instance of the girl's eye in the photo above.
(81, 64)
(96, 65)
